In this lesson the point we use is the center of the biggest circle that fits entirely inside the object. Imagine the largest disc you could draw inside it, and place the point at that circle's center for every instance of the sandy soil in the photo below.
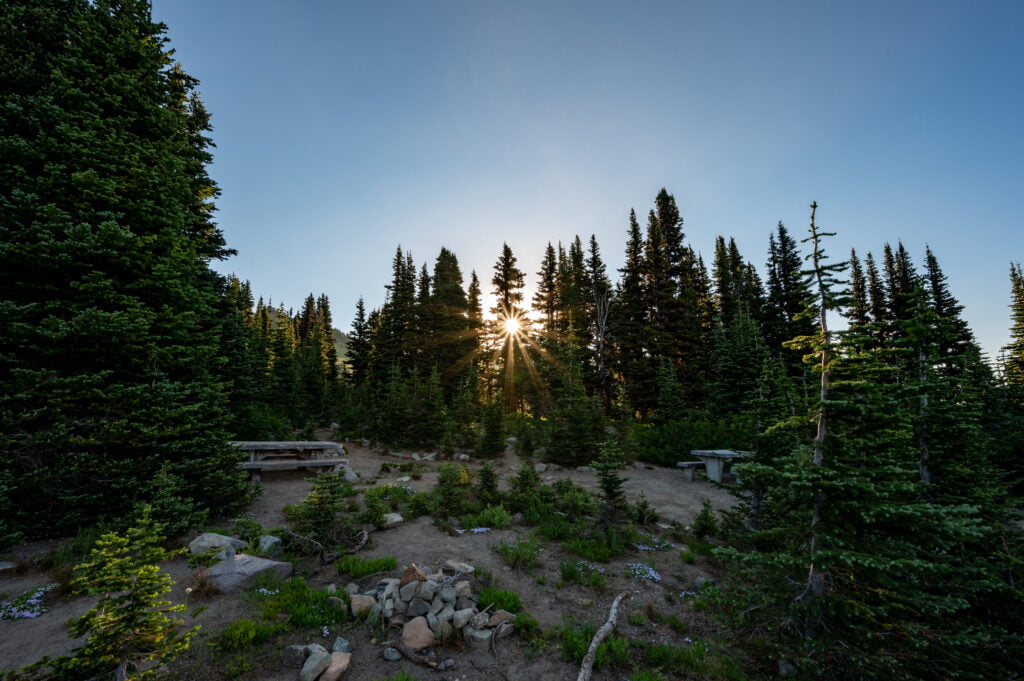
(418, 541)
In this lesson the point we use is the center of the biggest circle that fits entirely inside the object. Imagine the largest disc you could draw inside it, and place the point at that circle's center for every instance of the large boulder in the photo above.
(416, 634)
(240, 572)
(317, 660)
(338, 667)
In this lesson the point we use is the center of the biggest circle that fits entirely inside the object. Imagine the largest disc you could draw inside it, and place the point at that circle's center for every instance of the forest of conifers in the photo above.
(878, 526)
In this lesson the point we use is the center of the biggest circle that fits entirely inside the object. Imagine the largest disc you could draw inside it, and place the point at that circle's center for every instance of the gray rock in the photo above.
(464, 602)
(317, 661)
(392, 655)
(351, 588)
(350, 475)
(583, 469)
(447, 593)
(417, 607)
(441, 629)
(476, 638)
(373, 616)
(366, 443)
(540, 467)
(339, 604)
(331, 588)
(404, 478)
(445, 664)
(417, 634)
(479, 620)
(389, 608)
(461, 457)
(294, 656)
(503, 630)
(212, 540)
(409, 591)
(6, 565)
(270, 545)
(463, 588)
(240, 572)
(460, 618)
(341, 646)
(415, 456)
(361, 604)
(446, 614)
(427, 590)
(430, 457)
(401, 607)
(436, 605)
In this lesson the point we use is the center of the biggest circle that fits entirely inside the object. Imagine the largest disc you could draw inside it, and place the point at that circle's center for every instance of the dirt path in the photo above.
(418, 541)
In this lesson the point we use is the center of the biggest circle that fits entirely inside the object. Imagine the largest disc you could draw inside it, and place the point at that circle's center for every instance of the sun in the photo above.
(511, 326)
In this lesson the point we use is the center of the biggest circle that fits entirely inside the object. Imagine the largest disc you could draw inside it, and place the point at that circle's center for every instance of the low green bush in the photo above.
(362, 567)
(495, 517)
(500, 599)
(522, 554)
(243, 633)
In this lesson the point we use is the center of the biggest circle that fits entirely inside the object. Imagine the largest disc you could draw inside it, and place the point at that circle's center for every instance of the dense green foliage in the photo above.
(109, 389)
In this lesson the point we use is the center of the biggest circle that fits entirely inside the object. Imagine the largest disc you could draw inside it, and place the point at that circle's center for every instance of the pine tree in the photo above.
(105, 242)
(1015, 349)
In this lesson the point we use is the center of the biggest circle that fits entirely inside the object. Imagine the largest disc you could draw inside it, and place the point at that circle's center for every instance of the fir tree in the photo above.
(105, 242)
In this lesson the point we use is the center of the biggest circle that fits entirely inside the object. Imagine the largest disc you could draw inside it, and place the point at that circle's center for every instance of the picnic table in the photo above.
(287, 456)
(715, 460)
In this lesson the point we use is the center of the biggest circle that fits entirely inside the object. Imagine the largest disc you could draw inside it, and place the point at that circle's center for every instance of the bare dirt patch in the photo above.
(419, 541)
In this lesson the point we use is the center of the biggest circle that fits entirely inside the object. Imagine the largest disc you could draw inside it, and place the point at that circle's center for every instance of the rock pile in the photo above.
(428, 606)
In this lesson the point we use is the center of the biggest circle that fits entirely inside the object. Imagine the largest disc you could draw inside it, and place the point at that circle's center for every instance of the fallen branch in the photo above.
(328, 558)
(599, 637)
(412, 655)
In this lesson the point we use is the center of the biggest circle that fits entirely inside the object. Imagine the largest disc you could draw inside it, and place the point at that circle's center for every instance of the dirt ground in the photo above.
(418, 541)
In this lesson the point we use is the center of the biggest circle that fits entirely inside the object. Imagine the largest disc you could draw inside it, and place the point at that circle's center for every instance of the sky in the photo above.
(347, 129)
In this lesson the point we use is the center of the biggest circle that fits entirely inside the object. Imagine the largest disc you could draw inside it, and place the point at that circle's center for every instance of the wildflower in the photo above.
(641, 571)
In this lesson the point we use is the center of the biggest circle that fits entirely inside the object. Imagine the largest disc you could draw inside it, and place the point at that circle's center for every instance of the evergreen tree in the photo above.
(359, 346)
(628, 322)
(105, 242)
(1015, 349)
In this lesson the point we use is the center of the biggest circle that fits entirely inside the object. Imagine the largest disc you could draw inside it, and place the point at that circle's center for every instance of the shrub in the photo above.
(493, 516)
(451, 490)
(522, 554)
(501, 600)
(582, 572)
(486, 489)
(576, 639)
(300, 605)
(243, 633)
(704, 524)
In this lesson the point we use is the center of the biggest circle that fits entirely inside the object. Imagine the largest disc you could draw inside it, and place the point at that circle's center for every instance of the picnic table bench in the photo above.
(290, 456)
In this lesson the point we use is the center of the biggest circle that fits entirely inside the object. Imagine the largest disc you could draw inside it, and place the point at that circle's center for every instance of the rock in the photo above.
(506, 629)
(352, 588)
(460, 566)
(392, 655)
(339, 604)
(787, 669)
(207, 541)
(540, 467)
(389, 608)
(464, 602)
(441, 629)
(436, 605)
(445, 664)
(350, 475)
(317, 661)
(415, 456)
(461, 457)
(409, 591)
(447, 593)
(416, 634)
(401, 607)
(446, 614)
(240, 572)
(341, 646)
(6, 565)
(338, 667)
(427, 590)
(702, 581)
(404, 478)
(462, 617)
(430, 457)
(373, 616)
(361, 604)
(331, 588)
(270, 545)
(476, 638)
(365, 443)
(463, 588)
(479, 620)
(583, 469)
(500, 617)
(397, 621)
(294, 656)
(417, 607)
(411, 574)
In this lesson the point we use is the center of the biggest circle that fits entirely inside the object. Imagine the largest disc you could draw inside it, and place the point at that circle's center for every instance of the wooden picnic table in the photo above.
(287, 456)
(715, 460)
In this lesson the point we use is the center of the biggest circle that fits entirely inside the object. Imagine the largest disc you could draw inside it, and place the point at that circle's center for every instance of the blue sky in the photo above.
(345, 129)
